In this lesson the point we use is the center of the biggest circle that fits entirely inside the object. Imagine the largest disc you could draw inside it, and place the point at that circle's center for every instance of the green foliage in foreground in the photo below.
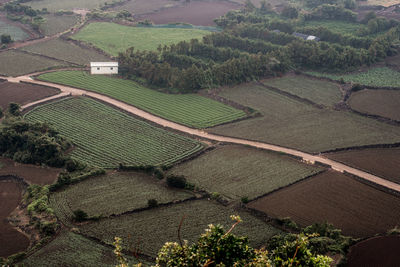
(189, 109)
(114, 38)
(379, 77)
(105, 137)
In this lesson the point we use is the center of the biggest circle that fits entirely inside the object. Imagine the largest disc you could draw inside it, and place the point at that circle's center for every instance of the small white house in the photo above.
(103, 67)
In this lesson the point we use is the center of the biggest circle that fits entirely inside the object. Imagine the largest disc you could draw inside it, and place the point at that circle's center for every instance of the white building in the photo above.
(103, 67)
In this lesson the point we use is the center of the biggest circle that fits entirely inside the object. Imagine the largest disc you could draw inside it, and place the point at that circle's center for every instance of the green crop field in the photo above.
(55, 5)
(342, 27)
(385, 103)
(105, 137)
(379, 77)
(114, 193)
(320, 92)
(16, 33)
(114, 38)
(15, 63)
(152, 228)
(226, 169)
(55, 24)
(70, 249)
(65, 51)
(189, 109)
(291, 123)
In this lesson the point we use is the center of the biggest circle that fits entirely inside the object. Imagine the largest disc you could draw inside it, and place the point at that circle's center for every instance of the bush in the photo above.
(1, 113)
(152, 203)
(14, 109)
(245, 200)
(80, 215)
(5, 39)
(356, 87)
(178, 181)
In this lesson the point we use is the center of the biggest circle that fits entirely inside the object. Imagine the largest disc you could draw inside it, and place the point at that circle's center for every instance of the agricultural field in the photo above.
(114, 193)
(195, 12)
(23, 93)
(11, 240)
(317, 91)
(16, 33)
(384, 103)
(377, 77)
(56, 24)
(139, 7)
(188, 109)
(342, 27)
(66, 51)
(16, 63)
(384, 162)
(114, 38)
(358, 209)
(152, 228)
(71, 249)
(385, 3)
(291, 123)
(105, 137)
(56, 5)
(30, 173)
(226, 169)
(376, 251)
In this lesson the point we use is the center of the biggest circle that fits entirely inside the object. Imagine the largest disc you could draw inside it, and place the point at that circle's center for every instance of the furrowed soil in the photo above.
(23, 93)
(30, 173)
(384, 162)
(375, 252)
(195, 12)
(384, 103)
(11, 241)
(358, 209)
(137, 7)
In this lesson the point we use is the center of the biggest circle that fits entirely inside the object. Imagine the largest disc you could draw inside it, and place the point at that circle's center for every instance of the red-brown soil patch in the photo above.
(140, 7)
(30, 173)
(11, 241)
(384, 162)
(196, 13)
(23, 93)
(356, 208)
(375, 252)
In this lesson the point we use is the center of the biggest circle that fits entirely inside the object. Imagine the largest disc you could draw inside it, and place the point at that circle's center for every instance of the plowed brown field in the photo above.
(358, 209)
(30, 173)
(23, 93)
(375, 252)
(384, 162)
(11, 241)
(196, 13)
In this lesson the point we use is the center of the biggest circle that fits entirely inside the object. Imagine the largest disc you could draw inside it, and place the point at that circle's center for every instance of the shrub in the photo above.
(14, 109)
(245, 200)
(1, 113)
(5, 39)
(152, 203)
(356, 87)
(178, 181)
(80, 215)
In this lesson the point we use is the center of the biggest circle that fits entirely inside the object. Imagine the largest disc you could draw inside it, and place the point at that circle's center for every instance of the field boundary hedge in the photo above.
(15, 178)
(362, 147)
(375, 117)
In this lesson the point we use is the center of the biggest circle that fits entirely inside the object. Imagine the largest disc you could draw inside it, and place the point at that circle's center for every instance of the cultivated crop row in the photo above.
(105, 137)
(189, 109)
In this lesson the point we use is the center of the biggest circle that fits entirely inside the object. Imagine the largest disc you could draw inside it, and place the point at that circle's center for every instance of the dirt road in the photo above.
(309, 158)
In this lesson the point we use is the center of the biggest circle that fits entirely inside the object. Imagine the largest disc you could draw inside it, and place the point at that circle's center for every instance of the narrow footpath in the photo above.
(312, 159)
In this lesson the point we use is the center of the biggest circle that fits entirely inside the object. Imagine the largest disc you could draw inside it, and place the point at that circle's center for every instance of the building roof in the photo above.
(306, 36)
(103, 64)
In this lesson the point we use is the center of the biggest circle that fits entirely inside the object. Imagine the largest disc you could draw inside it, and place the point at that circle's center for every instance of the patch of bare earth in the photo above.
(375, 252)
(195, 12)
(23, 93)
(358, 209)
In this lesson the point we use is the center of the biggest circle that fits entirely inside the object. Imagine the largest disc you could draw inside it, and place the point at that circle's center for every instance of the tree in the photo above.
(290, 12)
(6, 39)
(80, 215)
(14, 109)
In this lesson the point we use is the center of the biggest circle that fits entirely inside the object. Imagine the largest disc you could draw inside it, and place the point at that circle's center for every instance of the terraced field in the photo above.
(384, 103)
(71, 249)
(15, 63)
(292, 123)
(320, 92)
(114, 38)
(226, 169)
(55, 5)
(65, 51)
(379, 77)
(152, 228)
(105, 137)
(188, 109)
(56, 24)
(16, 33)
(342, 27)
(113, 193)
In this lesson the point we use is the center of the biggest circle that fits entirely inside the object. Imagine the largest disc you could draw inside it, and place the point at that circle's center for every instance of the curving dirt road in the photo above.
(309, 158)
